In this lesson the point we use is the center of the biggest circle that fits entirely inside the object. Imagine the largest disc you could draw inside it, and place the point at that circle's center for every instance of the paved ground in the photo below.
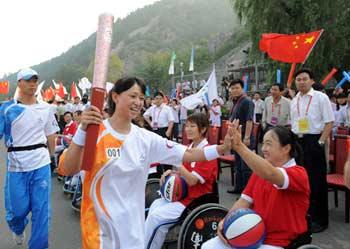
(65, 230)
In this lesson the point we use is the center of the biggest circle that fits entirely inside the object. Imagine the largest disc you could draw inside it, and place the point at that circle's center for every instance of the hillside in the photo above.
(162, 27)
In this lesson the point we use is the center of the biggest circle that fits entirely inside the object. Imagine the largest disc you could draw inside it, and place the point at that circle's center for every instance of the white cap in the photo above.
(26, 74)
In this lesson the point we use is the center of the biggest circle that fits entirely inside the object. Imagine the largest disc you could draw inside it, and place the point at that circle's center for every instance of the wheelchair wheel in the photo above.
(309, 247)
(152, 192)
(200, 225)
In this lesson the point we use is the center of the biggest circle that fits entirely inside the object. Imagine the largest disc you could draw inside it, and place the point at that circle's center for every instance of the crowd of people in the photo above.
(286, 180)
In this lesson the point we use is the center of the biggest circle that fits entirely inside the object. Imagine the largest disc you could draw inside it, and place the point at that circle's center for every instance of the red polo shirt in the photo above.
(284, 209)
(206, 172)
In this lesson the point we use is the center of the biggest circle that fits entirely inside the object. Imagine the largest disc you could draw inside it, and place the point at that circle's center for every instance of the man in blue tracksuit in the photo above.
(29, 129)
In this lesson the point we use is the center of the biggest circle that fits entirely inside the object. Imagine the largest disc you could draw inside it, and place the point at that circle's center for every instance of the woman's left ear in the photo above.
(203, 131)
(287, 148)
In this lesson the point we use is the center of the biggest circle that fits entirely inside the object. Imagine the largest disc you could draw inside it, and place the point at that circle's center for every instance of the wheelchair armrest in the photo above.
(204, 199)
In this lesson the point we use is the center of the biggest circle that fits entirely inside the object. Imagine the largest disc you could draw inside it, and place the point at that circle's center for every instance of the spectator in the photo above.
(243, 110)
(312, 120)
(276, 109)
(215, 114)
(258, 107)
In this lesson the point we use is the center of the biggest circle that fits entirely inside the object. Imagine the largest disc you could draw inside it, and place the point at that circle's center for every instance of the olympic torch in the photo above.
(102, 53)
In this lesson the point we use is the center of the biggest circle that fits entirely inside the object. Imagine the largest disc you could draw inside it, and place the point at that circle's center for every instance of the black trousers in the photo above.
(258, 117)
(161, 132)
(316, 167)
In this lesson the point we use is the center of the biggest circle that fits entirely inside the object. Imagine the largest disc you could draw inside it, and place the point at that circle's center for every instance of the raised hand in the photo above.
(236, 134)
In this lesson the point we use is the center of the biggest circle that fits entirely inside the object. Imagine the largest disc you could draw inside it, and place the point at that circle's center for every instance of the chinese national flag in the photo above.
(4, 87)
(49, 94)
(60, 91)
(73, 90)
(289, 48)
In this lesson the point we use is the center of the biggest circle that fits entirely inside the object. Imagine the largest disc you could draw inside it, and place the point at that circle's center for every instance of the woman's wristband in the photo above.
(79, 137)
(211, 152)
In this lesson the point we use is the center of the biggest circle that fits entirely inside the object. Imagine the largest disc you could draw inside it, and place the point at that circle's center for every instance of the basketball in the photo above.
(174, 188)
(244, 229)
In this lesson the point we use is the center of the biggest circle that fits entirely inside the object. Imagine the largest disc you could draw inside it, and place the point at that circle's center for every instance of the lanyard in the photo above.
(273, 108)
(235, 106)
(154, 114)
(307, 108)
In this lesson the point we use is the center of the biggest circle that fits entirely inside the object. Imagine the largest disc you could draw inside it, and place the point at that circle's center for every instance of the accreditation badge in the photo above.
(303, 125)
(155, 126)
(274, 121)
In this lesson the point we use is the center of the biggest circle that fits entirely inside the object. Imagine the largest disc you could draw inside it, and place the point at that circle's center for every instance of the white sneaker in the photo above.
(19, 239)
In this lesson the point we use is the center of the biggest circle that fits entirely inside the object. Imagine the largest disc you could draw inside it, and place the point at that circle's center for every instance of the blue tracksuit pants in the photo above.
(29, 192)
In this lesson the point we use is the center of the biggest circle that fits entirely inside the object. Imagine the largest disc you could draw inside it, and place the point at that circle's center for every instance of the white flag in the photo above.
(56, 85)
(212, 88)
(40, 86)
(205, 95)
(84, 84)
(38, 95)
(191, 69)
(172, 64)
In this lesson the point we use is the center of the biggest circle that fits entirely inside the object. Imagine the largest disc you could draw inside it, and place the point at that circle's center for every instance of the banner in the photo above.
(205, 95)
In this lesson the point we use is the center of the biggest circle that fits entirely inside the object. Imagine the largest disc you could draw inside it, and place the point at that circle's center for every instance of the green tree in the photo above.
(154, 70)
(115, 68)
(298, 16)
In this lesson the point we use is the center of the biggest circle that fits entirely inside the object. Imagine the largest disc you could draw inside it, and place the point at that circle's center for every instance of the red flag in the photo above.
(289, 48)
(49, 94)
(73, 90)
(4, 87)
(60, 91)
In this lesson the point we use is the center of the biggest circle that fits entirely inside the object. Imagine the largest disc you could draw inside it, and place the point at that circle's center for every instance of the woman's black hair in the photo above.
(286, 136)
(121, 86)
(201, 120)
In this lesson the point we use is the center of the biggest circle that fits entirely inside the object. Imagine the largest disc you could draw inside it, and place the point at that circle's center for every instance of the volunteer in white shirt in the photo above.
(175, 108)
(162, 117)
(258, 107)
(312, 120)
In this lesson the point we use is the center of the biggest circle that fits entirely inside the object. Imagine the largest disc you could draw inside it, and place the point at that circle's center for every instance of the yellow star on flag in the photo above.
(309, 40)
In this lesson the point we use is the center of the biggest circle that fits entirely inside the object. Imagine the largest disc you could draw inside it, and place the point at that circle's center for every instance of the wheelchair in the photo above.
(70, 185)
(197, 223)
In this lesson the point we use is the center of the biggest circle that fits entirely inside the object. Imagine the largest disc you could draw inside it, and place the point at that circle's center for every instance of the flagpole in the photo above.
(291, 74)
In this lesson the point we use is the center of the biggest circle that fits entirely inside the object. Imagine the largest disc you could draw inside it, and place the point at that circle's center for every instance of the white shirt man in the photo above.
(276, 108)
(310, 112)
(162, 117)
(258, 107)
(312, 120)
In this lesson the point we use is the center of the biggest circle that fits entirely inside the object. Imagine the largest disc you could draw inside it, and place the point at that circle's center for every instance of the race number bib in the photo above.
(303, 125)
(113, 153)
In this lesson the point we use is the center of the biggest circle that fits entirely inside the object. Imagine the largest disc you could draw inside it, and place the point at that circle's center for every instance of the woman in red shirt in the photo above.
(278, 189)
(199, 176)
